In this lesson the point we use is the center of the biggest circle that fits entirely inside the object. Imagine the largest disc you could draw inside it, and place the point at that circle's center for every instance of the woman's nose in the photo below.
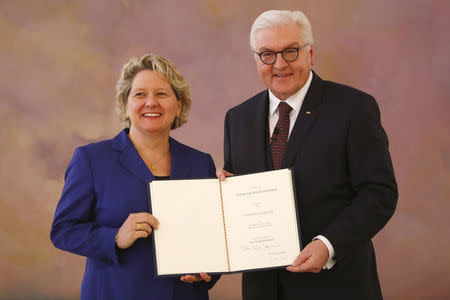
(150, 101)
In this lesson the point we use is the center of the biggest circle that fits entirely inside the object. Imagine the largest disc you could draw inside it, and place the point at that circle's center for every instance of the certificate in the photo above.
(247, 222)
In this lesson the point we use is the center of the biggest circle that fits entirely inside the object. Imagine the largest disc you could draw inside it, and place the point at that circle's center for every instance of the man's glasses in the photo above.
(289, 54)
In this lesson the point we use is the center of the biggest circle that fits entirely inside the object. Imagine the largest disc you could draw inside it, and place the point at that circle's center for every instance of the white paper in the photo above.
(260, 220)
(190, 235)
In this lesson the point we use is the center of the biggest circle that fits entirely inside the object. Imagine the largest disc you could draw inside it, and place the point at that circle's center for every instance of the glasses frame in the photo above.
(282, 54)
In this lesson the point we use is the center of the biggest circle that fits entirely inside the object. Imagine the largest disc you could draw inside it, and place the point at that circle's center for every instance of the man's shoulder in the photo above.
(249, 104)
(342, 91)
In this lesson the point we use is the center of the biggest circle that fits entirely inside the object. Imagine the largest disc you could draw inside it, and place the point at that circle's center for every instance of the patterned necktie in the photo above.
(280, 135)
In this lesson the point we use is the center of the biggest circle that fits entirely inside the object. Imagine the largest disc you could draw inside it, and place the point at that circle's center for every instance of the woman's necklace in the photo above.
(153, 166)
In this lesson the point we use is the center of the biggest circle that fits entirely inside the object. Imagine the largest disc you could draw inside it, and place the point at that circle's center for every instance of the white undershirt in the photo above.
(295, 101)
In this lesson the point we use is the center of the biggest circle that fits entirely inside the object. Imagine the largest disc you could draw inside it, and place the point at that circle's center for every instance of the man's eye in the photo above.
(267, 54)
(290, 51)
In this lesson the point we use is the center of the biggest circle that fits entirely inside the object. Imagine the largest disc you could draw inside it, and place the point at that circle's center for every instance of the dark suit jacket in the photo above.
(344, 181)
(104, 183)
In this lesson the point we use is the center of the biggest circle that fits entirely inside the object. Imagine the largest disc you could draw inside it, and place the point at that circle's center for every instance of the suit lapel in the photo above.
(130, 159)
(258, 131)
(305, 120)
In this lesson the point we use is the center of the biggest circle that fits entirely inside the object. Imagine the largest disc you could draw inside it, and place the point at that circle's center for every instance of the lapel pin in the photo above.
(308, 112)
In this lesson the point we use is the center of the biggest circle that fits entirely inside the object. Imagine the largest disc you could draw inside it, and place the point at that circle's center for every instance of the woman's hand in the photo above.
(136, 226)
(195, 278)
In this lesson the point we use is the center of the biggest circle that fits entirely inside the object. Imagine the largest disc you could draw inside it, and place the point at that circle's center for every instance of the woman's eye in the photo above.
(139, 94)
(161, 94)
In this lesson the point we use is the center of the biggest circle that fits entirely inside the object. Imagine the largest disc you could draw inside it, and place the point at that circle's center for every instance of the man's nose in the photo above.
(280, 62)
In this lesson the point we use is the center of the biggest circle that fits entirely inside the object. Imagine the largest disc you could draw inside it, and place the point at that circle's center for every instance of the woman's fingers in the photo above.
(140, 234)
(205, 277)
(194, 278)
(144, 227)
(138, 225)
(144, 217)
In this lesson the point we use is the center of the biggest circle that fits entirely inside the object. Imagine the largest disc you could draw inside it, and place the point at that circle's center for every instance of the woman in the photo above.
(103, 210)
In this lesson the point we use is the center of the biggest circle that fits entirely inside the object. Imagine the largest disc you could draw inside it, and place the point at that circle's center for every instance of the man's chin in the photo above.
(282, 94)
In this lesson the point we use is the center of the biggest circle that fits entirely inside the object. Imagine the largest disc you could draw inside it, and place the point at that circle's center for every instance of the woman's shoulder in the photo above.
(96, 146)
(103, 146)
(184, 149)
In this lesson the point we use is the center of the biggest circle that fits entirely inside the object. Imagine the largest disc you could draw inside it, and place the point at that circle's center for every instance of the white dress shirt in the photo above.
(295, 101)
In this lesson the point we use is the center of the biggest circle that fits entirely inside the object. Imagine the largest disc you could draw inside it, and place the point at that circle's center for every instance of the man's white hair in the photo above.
(273, 18)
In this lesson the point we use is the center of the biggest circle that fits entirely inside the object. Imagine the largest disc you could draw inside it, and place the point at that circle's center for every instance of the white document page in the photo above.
(261, 220)
(190, 236)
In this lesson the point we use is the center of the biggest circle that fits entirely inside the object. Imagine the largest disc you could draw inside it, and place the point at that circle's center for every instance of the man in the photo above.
(332, 138)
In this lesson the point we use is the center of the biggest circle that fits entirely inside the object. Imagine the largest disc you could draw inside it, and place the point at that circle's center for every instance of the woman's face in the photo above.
(152, 105)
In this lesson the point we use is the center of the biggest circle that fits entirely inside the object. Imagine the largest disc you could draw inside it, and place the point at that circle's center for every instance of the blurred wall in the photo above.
(60, 61)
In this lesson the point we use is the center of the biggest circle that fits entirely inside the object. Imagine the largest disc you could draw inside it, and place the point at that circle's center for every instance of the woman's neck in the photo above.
(158, 141)
(154, 150)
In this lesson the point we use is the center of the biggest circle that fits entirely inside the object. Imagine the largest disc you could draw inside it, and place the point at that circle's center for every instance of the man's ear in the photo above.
(311, 52)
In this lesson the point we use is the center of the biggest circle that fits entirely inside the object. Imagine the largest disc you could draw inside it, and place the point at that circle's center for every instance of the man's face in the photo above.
(283, 78)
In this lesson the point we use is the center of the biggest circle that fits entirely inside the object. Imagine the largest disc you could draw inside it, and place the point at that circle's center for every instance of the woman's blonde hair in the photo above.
(164, 68)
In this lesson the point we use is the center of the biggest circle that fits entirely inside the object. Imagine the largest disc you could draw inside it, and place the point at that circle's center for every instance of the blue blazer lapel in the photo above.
(178, 167)
(305, 121)
(130, 159)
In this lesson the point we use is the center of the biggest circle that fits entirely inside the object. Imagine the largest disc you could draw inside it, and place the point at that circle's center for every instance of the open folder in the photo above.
(246, 222)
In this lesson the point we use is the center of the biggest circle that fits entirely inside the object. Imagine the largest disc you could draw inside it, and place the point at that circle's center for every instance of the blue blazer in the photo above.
(104, 183)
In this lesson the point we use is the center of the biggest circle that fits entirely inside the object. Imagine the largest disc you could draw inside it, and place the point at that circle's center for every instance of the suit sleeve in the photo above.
(74, 228)
(372, 179)
(227, 163)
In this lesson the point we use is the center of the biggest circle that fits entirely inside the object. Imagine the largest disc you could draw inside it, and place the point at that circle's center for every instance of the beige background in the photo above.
(59, 62)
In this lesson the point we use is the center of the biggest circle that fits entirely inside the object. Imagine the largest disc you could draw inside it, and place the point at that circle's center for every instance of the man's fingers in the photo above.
(222, 174)
(309, 266)
(301, 263)
(301, 258)
(304, 266)
(306, 262)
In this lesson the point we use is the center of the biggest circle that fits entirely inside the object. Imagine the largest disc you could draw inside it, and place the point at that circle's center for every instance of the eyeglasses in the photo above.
(289, 54)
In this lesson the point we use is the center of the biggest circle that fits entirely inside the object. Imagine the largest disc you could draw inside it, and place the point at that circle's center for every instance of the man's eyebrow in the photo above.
(293, 44)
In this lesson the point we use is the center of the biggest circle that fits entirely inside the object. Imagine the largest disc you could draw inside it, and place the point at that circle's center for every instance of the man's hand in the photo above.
(195, 278)
(311, 258)
(222, 174)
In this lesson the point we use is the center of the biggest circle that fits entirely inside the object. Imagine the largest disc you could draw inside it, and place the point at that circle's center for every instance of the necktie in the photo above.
(280, 135)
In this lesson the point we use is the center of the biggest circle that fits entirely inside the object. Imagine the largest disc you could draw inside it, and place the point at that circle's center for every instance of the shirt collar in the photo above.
(295, 101)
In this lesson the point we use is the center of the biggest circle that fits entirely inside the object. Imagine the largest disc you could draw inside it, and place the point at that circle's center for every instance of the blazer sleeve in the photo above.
(74, 228)
(372, 179)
